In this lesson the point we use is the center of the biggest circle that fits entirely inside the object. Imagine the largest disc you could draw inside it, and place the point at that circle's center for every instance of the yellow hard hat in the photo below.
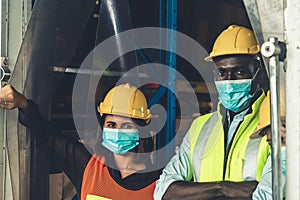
(265, 113)
(125, 100)
(264, 118)
(234, 40)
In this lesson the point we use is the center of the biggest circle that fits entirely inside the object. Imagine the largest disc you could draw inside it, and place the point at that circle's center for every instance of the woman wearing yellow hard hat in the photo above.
(118, 174)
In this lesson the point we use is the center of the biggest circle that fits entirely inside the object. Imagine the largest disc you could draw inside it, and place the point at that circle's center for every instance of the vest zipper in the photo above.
(228, 150)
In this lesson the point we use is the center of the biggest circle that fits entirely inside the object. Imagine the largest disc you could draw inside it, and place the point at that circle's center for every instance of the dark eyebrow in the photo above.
(112, 122)
(242, 66)
(238, 67)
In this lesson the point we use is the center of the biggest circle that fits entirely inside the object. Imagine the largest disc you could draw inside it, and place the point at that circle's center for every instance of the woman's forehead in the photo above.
(118, 119)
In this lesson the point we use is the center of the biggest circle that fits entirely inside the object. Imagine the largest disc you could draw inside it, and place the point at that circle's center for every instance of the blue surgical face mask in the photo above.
(234, 94)
(120, 141)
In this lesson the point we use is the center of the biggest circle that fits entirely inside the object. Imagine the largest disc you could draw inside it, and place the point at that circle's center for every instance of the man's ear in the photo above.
(264, 79)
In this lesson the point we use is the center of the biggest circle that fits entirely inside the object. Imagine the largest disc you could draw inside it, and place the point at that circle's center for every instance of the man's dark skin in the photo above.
(230, 67)
(234, 68)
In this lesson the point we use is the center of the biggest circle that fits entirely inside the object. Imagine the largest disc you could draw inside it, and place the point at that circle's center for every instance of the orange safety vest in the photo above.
(97, 184)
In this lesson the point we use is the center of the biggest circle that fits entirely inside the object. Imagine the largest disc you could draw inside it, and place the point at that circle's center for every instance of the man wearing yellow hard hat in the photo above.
(217, 158)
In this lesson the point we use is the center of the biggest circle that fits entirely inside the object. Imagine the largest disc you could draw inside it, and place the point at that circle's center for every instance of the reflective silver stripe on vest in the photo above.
(250, 160)
(201, 143)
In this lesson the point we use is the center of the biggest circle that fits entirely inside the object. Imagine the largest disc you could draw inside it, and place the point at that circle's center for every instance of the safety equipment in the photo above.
(265, 114)
(125, 100)
(120, 141)
(97, 183)
(246, 157)
(234, 94)
(234, 40)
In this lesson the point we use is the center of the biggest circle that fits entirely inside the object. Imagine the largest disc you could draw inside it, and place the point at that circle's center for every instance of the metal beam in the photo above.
(171, 17)
(14, 20)
(272, 50)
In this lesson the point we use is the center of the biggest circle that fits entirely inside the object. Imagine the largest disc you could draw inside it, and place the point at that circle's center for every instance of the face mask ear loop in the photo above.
(259, 59)
(254, 77)
(258, 86)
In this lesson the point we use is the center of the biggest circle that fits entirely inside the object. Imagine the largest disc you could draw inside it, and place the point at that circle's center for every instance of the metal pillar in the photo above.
(293, 99)
(171, 62)
(6, 189)
(272, 51)
(14, 18)
(13, 23)
(169, 10)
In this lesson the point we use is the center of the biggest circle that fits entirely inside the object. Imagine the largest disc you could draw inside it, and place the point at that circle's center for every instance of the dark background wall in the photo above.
(75, 32)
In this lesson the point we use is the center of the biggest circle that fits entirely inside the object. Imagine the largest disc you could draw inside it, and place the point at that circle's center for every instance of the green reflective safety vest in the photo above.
(246, 157)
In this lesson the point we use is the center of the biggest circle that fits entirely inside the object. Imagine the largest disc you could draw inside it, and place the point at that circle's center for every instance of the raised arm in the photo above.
(68, 154)
(11, 99)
